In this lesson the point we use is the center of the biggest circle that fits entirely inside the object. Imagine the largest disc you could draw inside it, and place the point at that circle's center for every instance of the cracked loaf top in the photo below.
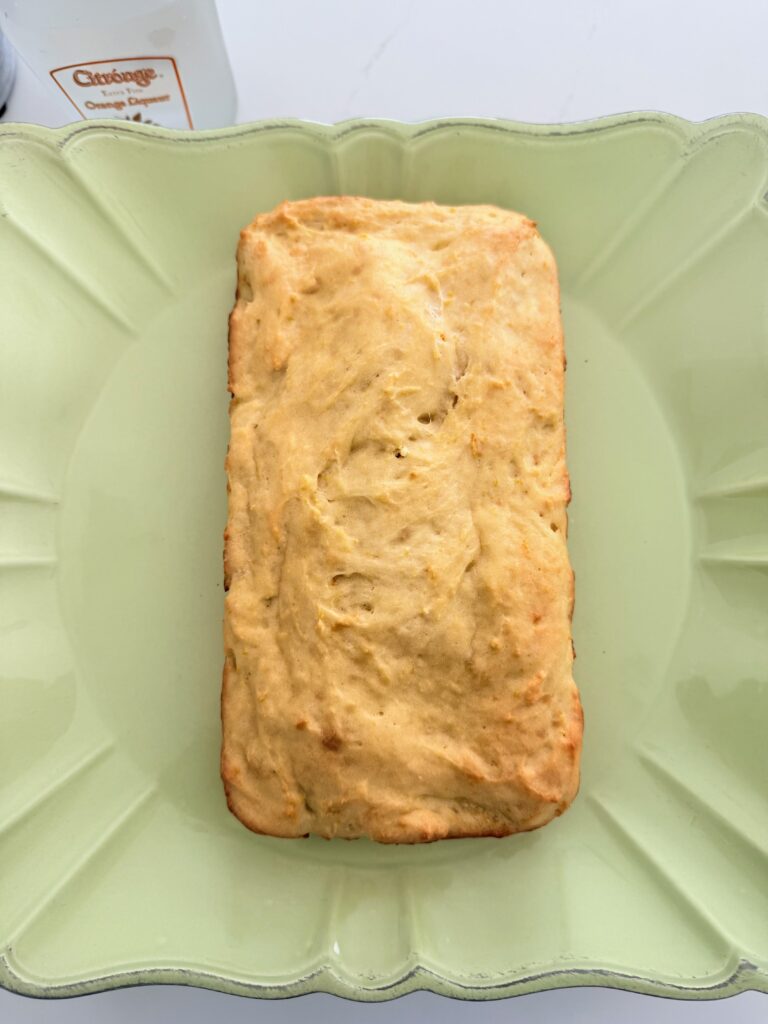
(398, 616)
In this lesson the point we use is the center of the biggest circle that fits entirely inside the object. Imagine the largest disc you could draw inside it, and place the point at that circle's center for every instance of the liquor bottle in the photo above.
(150, 61)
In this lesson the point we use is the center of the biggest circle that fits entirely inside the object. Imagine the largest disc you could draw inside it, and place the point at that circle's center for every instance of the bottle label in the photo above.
(147, 90)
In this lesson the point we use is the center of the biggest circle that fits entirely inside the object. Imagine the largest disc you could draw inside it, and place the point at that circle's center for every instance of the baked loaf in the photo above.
(397, 634)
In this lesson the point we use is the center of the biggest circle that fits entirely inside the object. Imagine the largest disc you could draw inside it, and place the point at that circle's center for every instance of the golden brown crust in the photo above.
(399, 593)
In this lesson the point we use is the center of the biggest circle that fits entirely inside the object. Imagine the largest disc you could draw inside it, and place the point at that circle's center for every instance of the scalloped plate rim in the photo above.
(747, 976)
(408, 130)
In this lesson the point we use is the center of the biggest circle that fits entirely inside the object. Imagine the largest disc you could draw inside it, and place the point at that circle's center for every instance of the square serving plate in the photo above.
(119, 863)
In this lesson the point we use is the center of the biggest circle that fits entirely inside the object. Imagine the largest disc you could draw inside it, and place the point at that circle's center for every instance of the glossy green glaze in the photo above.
(119, 863)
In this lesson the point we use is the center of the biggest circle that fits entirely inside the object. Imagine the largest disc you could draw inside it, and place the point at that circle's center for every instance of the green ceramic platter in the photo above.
(119, 863)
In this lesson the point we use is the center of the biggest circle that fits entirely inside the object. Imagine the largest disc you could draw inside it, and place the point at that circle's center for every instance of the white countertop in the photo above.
(414, 59)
